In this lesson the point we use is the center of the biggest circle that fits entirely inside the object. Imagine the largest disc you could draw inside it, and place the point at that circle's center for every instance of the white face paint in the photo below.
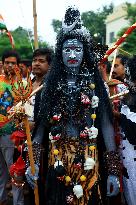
(72, 54)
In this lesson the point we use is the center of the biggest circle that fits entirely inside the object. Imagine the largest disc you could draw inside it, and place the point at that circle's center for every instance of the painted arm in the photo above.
(39, 133)
(108, 135)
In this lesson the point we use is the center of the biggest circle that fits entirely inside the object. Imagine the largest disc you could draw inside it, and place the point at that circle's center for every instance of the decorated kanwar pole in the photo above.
(22, 94)
(119, 41)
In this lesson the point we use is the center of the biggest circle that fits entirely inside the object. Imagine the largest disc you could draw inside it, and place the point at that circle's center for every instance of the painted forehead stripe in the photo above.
(72, 42)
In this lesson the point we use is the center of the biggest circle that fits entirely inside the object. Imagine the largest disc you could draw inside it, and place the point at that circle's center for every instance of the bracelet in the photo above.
(18, 184)
(113, 164)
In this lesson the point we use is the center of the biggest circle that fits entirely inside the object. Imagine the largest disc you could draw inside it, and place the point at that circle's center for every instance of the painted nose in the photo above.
(72, 55)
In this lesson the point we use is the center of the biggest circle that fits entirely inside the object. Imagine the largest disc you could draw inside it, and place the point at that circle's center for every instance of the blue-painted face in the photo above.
(72, 54)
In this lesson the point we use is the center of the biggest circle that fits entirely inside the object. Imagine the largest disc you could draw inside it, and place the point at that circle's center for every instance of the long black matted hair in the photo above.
(72, 28)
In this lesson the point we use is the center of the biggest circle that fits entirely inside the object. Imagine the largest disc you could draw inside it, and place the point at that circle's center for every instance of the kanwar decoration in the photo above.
(119, 41)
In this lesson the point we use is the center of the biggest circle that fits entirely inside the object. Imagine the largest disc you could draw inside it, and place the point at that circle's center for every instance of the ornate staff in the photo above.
(31, 158)
(22, 93)
(119, 41)
(12, 111)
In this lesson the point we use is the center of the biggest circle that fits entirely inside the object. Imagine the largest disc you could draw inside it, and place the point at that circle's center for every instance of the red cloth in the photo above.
(18, 167)
(18, 137)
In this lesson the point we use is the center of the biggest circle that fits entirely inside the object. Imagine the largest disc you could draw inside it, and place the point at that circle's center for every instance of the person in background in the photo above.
(41, 62)
(41, 65)
(10, 59)
(116, 84)
(127, 120)
(26, 65)
(119, 67)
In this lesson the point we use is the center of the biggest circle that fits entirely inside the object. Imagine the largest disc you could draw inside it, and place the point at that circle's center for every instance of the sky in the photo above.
(20, 13)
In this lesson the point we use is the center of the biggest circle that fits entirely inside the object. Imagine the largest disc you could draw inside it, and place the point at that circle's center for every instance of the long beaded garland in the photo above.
(76, 157)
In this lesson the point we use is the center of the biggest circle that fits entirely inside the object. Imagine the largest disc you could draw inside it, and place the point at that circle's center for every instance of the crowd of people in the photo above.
(82, 123)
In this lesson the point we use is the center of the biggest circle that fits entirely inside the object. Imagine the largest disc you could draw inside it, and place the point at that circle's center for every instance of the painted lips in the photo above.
(72, 61)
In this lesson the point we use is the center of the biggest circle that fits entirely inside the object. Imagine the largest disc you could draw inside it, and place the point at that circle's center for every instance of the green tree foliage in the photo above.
(22, 42)
(131, 13)
(56, 25)
(130, 41)
(94, 21)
